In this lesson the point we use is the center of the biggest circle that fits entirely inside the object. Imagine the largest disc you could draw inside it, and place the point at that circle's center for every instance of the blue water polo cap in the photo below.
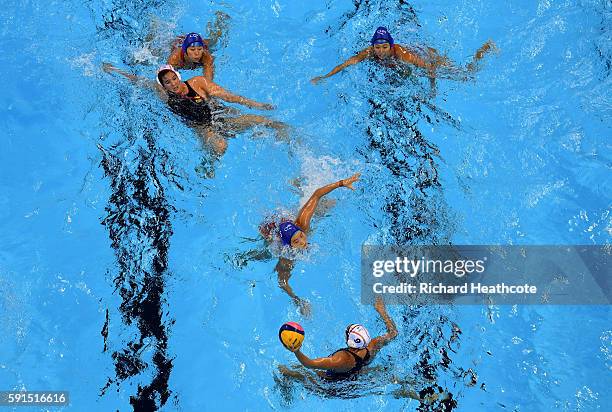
(382, 35)
(287, 230)
(192, 39)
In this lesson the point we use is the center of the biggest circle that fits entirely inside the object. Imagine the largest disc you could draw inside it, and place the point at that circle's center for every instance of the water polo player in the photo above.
(294, 234)
(384, 50)
(192, 101)
(193, 52)
(345, 363)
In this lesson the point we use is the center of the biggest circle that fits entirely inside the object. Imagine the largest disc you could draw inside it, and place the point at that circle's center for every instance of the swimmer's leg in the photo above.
(215, 30)
(436, 60)
(247, 121)
(159, 40)
(433, 87)
(428, 395)
(212, 140)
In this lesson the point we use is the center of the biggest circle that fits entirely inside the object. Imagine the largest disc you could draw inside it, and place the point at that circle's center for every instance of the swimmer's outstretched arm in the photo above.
(305, 215)
(377, 343)
(109, 68)
(215, 90)
(138, 80)
(362, 55)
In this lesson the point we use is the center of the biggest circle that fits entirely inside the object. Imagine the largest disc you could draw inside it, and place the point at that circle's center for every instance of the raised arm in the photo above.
(305, 214)
(377, 343)
(362, 55)
(215, 90)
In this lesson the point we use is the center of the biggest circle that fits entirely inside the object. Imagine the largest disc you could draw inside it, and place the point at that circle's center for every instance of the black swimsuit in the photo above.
(191, 107)
(359, 363)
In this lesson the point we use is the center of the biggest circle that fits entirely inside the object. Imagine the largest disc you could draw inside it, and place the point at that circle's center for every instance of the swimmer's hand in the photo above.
(256, 105)
(349, 182)
(108, 68)
(316, 80)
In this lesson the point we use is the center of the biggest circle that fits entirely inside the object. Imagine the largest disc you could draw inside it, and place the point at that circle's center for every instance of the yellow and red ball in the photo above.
(291, 335)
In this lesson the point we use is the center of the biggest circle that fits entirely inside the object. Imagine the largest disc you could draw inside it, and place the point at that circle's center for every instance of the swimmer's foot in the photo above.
(304, 307)
(404, 392)
(430, 398)
(206, 169)
(297, 183)
(282, 131)
(488, 47)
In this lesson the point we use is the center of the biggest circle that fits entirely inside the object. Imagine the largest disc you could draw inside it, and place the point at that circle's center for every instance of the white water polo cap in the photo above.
(357, 336)
(165, 68)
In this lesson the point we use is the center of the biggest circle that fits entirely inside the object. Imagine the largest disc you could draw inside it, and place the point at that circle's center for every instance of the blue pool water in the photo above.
(120, 277)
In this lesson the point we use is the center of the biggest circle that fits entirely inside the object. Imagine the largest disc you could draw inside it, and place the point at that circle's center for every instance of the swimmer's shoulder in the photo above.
(175, 59)
(400, 48)
(366, 53)
(199, 81)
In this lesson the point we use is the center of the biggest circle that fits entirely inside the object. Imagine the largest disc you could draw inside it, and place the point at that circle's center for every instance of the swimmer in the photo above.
(346, 363)
(383, 50)
(193, 52)
(293, 234)
(192, 101)
(351, 365)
